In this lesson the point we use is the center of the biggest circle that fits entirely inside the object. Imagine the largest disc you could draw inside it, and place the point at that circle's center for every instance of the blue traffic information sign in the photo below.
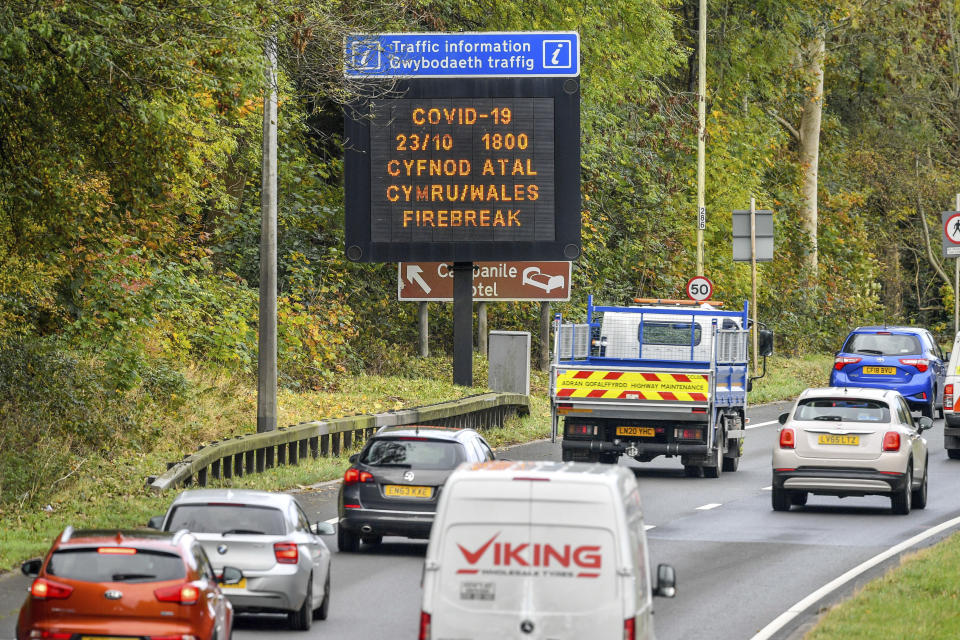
(450, 55)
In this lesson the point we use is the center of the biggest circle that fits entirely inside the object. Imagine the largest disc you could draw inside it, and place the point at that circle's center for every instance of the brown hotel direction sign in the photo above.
(492, 281)
(465, 170)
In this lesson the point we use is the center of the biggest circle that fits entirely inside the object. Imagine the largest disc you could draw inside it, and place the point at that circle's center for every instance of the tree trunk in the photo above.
(893, 281)
(810, 144)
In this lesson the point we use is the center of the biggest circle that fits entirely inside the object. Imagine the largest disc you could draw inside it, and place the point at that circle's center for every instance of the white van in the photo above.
(538, 550)
(951, 403)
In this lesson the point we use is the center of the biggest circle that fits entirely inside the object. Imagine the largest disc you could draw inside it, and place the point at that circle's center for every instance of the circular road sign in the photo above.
(699, 288)
(951, 229)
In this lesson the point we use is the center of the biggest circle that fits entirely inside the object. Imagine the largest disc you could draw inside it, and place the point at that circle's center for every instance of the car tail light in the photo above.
(843, 361)
(581, 430)
(353, 476)
(948, 397)
(629, 629)
(891, 441)
(286, 552)
(43, 634)
(424, 626)
(920, 363)
(180, 593)
(787, 438)
(43, 589)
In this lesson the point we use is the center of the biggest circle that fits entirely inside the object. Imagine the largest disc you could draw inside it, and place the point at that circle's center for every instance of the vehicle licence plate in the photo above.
(401, 491)
(240, 585)
(826, 438)
(641, 432)
(880, 371)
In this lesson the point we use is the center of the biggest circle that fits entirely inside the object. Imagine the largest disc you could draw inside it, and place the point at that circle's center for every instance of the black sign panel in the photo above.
(465, 170)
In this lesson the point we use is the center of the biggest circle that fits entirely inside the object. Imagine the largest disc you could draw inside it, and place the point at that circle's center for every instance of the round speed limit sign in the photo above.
(699, 288)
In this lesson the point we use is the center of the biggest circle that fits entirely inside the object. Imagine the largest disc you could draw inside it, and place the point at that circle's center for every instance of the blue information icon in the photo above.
(451, 55)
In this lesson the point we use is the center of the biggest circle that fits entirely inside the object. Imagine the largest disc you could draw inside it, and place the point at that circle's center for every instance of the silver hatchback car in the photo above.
(285, 562)
(845, 441)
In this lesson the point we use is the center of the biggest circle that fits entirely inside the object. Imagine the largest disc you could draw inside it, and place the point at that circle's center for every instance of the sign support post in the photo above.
(423, 329)
(753, 278)
(463, 323)
(956, 284)
(482, 328)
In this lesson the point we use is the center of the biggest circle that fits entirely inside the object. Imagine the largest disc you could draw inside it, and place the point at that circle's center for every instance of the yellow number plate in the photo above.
(240, 585)
(642, 432)
(400, 491)
(826, 438)
(880, 371)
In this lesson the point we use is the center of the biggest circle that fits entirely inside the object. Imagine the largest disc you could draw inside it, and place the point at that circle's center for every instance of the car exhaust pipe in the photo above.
(366, 529)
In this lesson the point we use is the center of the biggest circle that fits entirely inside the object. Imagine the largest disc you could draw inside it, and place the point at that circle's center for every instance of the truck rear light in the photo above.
(180, 593)
(891, 441)
(581, 429)
(629, 629)
(43, 589)
(788, 439)
(286, 552)
(353, 476)
(843, 361)
(688, 434)
(948, 396)
(424, 626)
(920, 363)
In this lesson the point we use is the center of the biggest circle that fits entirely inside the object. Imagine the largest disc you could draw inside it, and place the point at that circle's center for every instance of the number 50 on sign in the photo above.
(699, 288)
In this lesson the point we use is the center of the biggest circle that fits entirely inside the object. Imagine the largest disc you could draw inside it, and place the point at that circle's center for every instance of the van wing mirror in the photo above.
(156, 522)
(666, 586)
(31, 568)
(765, 342)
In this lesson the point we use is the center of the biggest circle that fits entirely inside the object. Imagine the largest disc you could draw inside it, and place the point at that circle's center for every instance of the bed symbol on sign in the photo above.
(557, 54)
(535, 278)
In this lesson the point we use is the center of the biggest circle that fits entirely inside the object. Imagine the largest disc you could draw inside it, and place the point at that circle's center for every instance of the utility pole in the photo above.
(753, 280)
(267, 337)
(956, 284)
(701, 130)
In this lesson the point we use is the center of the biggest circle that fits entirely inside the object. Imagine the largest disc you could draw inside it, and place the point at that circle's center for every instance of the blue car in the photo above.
(906, 359)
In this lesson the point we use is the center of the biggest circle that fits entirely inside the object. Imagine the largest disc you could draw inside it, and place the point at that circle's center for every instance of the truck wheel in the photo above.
(716, 465)
(731, 464)
(781, 499)
(953, 454)
(692, 471)
(608, 458)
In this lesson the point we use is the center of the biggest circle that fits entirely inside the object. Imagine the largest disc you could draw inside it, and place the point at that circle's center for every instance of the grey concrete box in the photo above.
(510, 361)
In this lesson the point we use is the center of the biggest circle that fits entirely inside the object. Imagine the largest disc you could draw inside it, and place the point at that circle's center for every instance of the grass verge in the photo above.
(916, 600)
(108, 490)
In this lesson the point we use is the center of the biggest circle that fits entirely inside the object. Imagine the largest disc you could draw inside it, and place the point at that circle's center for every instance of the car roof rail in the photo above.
(67, 533)
(178, 536)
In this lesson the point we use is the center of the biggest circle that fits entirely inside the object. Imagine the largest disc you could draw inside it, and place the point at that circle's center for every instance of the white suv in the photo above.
(845, 441)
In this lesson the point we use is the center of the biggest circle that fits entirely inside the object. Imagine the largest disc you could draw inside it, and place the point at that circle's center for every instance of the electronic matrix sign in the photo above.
(465, 169)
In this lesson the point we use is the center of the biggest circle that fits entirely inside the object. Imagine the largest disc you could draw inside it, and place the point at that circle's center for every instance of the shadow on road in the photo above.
(415, 548)
(263, 621)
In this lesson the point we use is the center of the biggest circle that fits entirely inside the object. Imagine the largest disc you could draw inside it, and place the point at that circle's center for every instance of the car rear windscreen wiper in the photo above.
(831, 418)
(870, 352)
(122, 577)
(390, 464)
(242, 531)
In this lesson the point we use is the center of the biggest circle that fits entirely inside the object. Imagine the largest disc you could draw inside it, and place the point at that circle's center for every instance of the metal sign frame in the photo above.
(358, 178)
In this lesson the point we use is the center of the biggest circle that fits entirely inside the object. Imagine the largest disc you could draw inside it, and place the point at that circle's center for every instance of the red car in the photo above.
(148, 585)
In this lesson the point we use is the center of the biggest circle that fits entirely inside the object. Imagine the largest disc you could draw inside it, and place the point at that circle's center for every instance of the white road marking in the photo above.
(770, 488)
(647, 527)
(761, 424)
(332, 521)
(784, 618)
(707, 507)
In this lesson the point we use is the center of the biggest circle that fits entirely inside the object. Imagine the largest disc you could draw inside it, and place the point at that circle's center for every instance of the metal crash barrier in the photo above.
(255, 453)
